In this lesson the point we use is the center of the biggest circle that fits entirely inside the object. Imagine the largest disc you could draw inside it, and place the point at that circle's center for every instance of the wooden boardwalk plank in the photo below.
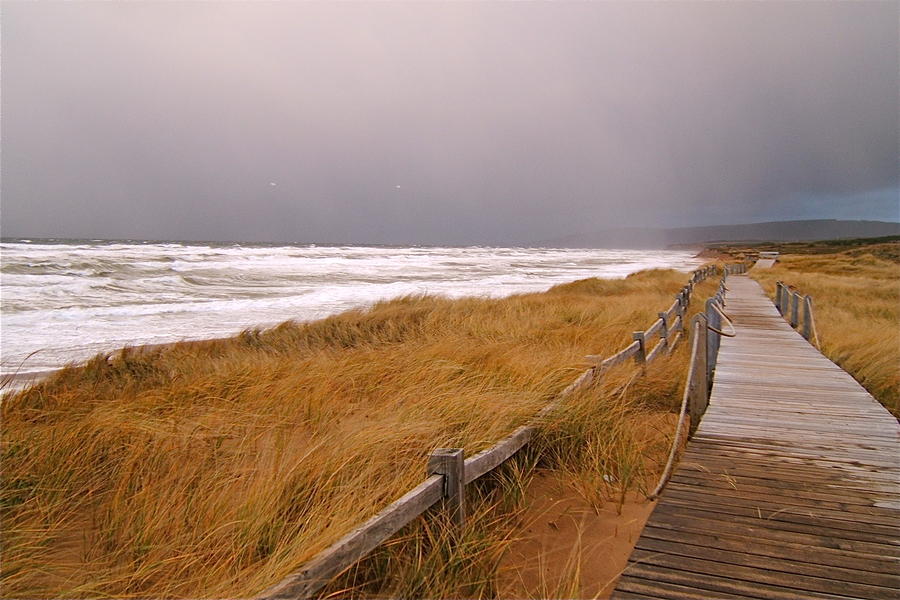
(790, 487)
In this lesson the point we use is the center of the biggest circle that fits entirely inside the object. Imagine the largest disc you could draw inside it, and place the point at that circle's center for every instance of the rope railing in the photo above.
(448, 473)
(788, 301)
(706, 333)
(685, 397)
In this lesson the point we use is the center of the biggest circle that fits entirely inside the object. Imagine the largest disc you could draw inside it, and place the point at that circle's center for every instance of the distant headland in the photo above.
(773, 231)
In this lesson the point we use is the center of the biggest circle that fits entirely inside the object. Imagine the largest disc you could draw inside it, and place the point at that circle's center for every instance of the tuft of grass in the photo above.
(856, 306)
(215, 468)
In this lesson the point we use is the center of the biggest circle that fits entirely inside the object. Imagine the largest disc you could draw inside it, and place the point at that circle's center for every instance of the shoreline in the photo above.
(13, 382)
(21, 379)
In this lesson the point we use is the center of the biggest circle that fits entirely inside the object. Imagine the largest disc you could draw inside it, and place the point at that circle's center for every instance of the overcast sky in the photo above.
(437, 123)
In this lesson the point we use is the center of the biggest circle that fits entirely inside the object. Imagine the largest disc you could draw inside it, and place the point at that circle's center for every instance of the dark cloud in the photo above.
(500, 123)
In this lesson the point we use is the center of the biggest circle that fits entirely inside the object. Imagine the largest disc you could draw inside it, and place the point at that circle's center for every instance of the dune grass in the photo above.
(856, 306)
(602, 442)
(213, 469)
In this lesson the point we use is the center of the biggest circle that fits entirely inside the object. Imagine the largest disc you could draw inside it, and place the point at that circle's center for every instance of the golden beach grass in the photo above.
(213, 469)
(856, 306)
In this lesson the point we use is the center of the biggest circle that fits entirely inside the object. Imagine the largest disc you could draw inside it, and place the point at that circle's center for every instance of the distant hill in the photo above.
(774, 231)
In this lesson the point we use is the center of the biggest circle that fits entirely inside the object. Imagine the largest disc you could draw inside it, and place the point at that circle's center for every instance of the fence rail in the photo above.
(788, 301)
(447, 473)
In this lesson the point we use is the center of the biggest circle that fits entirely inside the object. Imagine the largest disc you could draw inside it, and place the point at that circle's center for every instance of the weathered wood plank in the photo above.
(654, 329)
(759, 496)
(855, 540)
(657, 349)
(672, 311)
(779, 487)
(786, 474)
(797, 564)
(488, 460)
(886, 571)
(635, 587)
(719, 586)
(771, 576)
(632, 349)
(777, 511)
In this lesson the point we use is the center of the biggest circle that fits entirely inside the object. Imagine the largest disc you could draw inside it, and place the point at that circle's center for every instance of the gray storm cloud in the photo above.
(441, 123)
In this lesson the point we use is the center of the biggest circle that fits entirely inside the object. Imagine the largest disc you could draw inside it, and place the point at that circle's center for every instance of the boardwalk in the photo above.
(790, 487)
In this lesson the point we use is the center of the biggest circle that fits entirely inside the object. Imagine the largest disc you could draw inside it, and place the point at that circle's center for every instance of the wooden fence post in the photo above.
(698, 394)
(807, 317)
(795, 309)
(785, 301)
(712, 338)
(641, 355)
(664, 334)
(778, 286)
(450, 463)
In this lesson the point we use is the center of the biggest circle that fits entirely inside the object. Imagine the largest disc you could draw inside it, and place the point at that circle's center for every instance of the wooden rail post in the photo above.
(664, 334)
(450, 463)
(795, 309)
(641, 356)
(807, 317)
(778, 287)
(698, 393)
(712, 338)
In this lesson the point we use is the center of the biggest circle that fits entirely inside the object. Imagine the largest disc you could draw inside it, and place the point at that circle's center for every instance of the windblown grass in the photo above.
(430, 558)
(213, 469)
(602, 443)
(856, 306)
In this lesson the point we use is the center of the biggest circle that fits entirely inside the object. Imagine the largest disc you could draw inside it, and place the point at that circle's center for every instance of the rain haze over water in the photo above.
(442, 123)
(67, 301)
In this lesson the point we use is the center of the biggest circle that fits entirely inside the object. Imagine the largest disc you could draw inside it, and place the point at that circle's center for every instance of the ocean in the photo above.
(64, 301)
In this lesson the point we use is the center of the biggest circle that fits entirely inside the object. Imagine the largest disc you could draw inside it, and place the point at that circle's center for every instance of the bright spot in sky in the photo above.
(397, 186)
(272, 183)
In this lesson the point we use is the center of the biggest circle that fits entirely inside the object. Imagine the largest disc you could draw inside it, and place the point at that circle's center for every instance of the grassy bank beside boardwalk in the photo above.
(213, 469)
(856, 305)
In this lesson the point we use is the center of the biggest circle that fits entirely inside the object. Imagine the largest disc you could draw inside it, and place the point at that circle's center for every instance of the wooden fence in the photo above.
(448, 472)
(788, 301)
